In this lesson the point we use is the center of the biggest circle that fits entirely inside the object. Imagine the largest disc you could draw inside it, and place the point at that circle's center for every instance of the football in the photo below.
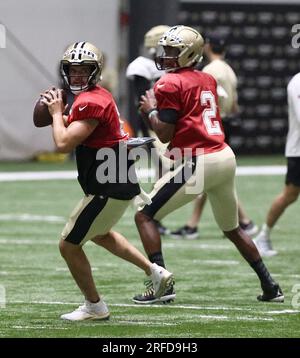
(41, 115)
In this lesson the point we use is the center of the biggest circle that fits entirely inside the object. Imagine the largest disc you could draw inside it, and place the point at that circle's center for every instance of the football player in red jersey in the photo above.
(93, 124)
(183, 110)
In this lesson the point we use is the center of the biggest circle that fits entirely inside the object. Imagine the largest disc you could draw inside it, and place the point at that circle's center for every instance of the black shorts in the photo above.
(293, 171)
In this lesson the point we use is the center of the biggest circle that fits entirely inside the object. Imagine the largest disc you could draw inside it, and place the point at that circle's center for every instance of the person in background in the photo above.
(291, 190)
(109, 78)
(143, 73)
(214, 50)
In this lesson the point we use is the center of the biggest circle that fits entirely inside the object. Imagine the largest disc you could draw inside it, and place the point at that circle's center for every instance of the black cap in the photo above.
(217, 41)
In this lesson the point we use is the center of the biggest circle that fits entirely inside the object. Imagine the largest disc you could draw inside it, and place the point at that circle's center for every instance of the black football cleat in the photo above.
(185, 232)
(272, 294)
(161, 229)
(148, 297)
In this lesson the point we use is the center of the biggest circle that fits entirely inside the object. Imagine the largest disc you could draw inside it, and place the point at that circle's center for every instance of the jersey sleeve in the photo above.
(167, 95)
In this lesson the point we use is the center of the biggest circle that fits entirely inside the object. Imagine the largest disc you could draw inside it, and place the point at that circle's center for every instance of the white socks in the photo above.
(266, 229)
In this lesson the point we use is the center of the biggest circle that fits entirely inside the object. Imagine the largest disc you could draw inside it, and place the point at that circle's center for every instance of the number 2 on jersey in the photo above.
(212, 126)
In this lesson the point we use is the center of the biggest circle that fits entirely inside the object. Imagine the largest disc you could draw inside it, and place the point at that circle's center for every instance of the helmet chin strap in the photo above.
(200, 59)
(168, 70)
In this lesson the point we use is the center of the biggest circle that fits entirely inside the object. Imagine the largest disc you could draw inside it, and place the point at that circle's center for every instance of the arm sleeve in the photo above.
(169, 116)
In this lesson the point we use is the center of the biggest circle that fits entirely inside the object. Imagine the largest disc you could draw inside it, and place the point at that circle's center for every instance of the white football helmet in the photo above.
(82, 53)
(189, 44)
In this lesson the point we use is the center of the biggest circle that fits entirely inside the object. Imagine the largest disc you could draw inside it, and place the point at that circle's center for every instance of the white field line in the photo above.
(234, 318)
(261, 170)
(188, 307)
(32, 218)
(171, 306)
(185, 244)
(27, 242)
(25, 176)
(10, 241)
(39, 327)
(67, 269)
(217, 262)
(58, 175)
(144, 323)
(141, 173)
(283, 311)
(197, 308)
(201, 316)
(155, 324)
(283, 275)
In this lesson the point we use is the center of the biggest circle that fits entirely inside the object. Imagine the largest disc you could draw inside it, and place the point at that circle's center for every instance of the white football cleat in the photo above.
(263, 244)
(88, 311)
(161, 279)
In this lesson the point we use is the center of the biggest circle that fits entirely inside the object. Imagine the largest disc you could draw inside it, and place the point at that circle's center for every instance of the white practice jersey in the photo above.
(143, 67)
(292, 148)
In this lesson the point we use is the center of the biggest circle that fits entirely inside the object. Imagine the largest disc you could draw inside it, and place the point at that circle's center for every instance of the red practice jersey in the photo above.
(98, 104)
(193, 94)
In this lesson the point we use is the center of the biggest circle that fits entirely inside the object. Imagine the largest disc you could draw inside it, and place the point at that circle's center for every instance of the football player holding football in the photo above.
(93, 124)
(183, 110)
